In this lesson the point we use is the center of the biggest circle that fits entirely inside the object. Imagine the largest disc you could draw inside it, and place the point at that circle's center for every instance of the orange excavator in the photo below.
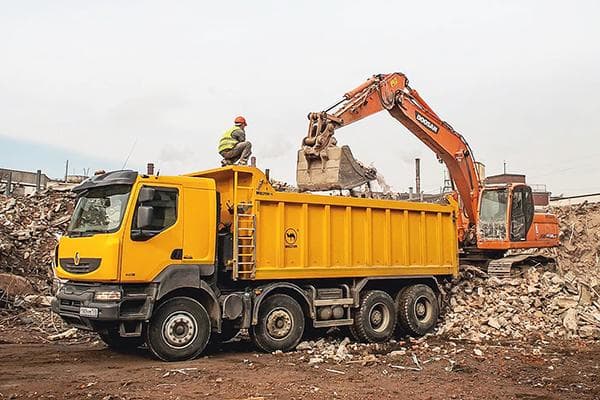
(493, 218)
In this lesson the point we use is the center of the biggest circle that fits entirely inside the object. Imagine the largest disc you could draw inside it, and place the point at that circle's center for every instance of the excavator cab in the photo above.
(505, 213)
(333, 168)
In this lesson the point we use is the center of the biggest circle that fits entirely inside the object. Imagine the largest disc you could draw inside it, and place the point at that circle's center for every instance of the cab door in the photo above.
(149, 249)
(521, 213)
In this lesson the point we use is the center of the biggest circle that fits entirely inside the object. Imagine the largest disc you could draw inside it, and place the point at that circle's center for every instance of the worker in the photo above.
(233, 146)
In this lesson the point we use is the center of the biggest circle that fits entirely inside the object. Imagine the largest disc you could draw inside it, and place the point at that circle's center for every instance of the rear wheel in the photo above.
(418, 310)
(179, 329)
(111, 337)
(375, 318)
(280, 324)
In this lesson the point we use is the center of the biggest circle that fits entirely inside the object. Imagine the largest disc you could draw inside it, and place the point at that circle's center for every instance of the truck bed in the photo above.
(282, 235)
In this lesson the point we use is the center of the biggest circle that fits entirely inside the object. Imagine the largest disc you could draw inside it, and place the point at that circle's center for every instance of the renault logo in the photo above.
(77, 259)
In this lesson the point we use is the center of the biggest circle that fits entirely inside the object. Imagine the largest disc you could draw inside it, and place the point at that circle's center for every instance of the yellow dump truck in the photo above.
(178, 261)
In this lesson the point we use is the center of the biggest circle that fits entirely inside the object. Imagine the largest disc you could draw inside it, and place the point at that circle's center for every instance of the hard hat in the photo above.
(240, 120)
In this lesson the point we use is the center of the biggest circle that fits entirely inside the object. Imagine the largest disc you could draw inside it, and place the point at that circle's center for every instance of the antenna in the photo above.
(129, 155)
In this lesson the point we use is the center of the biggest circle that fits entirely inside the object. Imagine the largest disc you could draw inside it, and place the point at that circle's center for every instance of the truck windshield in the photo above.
(492, 216)
(99, 210)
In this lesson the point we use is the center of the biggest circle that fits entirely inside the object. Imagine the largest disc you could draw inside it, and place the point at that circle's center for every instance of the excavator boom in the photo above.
(389, 92)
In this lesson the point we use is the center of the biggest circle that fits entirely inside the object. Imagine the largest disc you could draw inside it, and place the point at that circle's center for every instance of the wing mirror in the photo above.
(144, 216)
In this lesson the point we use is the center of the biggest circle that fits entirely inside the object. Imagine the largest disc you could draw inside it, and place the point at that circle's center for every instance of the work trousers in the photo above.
(239, 154)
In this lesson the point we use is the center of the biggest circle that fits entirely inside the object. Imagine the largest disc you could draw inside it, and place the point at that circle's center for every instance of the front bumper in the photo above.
(136, 303)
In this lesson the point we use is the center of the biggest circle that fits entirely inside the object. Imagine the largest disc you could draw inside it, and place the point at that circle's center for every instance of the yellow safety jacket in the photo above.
(227, 141)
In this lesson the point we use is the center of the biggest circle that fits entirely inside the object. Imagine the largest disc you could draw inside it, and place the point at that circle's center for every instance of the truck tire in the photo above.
(280, 324)
(375, 318)
(113, 340)
(418, 310)
(178, 330)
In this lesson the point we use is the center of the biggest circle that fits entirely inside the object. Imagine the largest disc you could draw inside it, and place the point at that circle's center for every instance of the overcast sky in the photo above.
(94, 79)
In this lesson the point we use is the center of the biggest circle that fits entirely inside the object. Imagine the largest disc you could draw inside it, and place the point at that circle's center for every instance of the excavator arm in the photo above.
(391, 92)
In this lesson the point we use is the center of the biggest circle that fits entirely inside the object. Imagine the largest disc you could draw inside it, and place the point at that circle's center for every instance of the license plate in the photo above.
(88, 312)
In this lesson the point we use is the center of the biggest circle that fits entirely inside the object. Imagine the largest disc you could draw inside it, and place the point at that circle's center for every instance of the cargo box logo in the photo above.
(290, 236)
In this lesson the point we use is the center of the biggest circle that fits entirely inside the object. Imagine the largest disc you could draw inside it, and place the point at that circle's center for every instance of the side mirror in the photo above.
(146, 194)
(144, 216)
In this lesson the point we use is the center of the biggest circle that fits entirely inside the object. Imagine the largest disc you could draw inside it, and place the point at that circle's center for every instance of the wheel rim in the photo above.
(379, 317)
(180, 329)
(422, 309)
(279, 323)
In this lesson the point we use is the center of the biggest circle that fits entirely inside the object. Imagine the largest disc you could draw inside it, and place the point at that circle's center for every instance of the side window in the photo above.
(164, 213)
(528, 207)
(518, 229)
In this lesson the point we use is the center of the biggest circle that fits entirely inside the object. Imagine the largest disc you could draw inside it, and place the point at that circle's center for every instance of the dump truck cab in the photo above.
(177, 261)
(126, 236)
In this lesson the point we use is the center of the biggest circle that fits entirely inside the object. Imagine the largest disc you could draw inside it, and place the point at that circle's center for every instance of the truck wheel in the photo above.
(375, 318)
(418, 310)
(113, 340)
(178, 330)
(280, 324)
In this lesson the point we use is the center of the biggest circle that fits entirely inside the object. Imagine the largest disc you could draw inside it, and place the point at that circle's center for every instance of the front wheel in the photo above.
(280, 324)
(179, 329)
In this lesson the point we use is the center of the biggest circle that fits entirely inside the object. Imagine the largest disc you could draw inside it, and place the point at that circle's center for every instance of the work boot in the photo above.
(225, 163)
(243, 162)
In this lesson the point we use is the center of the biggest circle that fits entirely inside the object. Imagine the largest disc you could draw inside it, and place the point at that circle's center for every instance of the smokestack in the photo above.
(38, 180)
(418, 175)
(150, 168)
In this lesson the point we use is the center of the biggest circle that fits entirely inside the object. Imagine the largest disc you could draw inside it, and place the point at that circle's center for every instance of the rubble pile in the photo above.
(537, 303)
(580, 239)
(409, 354)
(29, 226)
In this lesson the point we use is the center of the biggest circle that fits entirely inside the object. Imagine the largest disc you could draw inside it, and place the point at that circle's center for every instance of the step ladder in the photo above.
(244, 250)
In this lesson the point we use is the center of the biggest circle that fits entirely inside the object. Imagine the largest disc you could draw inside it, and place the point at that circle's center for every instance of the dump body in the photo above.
(307, 236)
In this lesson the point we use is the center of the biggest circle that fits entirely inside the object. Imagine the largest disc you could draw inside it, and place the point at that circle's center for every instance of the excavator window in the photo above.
(493, 213)
(521, 215)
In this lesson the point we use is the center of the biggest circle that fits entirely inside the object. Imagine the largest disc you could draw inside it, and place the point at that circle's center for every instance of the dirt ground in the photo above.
(32, 367)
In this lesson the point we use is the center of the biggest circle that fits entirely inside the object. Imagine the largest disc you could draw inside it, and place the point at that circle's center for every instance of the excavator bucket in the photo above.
(338, 169)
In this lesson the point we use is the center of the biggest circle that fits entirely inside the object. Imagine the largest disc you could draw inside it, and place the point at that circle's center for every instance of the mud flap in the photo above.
(336, 169)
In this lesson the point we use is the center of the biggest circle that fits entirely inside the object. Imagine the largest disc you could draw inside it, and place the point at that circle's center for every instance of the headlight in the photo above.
(112, 295)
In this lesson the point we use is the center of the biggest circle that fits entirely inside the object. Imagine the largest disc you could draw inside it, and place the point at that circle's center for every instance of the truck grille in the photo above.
(84, 266)
(70, 305)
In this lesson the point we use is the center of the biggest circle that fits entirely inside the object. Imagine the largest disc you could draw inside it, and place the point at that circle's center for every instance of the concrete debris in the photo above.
(29, 226)
(537, 301)
(15, 285)
(69, 333)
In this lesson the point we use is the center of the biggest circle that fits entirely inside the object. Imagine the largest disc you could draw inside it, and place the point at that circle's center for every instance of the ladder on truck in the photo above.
(244, 249)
